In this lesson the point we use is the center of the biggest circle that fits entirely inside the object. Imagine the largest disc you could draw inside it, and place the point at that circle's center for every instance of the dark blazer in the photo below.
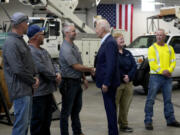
(107, 72)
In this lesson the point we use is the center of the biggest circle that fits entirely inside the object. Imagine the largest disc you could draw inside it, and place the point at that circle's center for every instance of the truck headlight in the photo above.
(139, 60)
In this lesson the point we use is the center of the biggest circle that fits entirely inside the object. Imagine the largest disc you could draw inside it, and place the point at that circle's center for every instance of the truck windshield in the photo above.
(144, 41)
(40, 23)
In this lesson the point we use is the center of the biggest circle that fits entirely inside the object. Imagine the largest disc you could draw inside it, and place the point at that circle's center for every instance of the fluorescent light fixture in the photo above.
(148, 5)
(97, 2)
(159, 3)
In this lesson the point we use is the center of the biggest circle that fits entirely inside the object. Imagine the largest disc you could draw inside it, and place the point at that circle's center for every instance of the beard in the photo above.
(72, 38)
(25, 27)
(41, 42)
(25, 31)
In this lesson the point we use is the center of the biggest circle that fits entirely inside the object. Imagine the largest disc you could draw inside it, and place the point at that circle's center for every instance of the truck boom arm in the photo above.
(63, 9)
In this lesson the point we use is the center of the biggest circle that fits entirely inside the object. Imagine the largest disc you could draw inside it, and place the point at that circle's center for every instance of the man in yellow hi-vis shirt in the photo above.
(162, 62)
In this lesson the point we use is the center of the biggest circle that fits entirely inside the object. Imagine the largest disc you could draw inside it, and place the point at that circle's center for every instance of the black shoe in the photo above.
(126, 129)
(174, 124)
(149, 126)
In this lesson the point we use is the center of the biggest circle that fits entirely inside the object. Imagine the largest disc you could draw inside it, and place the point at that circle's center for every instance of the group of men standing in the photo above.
(32, 77)
(29, 72)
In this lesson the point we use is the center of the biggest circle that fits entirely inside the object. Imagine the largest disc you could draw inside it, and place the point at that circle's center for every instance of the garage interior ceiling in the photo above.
(91, 3)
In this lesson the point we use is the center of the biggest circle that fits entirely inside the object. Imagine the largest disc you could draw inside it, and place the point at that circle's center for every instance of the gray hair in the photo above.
(66, 27)
(160, 29)
(103, 23)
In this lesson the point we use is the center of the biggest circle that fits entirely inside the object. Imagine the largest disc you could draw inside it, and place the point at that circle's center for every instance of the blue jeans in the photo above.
(157, 82)
(22, 113)
(71, 105)
(41, 115)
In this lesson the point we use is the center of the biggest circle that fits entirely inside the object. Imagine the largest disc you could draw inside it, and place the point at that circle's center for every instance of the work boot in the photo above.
(149, 126)
(174, 124)
(126, 129)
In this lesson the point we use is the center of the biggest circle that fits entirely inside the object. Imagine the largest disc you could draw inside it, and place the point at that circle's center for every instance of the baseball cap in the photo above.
(18, 18)
(33, 29)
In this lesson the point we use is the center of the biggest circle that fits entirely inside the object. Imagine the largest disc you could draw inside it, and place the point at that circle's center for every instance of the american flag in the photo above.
(120, 16)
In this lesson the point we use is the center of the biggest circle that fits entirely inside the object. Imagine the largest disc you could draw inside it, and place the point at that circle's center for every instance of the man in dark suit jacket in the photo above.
(106, 72)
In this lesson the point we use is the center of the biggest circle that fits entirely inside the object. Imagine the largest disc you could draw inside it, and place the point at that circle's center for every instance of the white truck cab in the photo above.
(139, 49)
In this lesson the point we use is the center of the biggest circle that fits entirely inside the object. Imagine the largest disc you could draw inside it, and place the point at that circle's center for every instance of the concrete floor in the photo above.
(93, 116)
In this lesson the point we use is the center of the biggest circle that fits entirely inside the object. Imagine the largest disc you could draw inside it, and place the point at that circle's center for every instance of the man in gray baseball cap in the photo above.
(18, 18)
(20, 73)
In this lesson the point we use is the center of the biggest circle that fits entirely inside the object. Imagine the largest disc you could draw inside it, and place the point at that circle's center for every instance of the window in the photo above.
(54, 28)
(144, 41)
(175, 42)
(40, 23)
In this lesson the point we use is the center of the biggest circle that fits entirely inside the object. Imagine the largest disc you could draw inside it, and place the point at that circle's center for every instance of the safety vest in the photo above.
(158, 59)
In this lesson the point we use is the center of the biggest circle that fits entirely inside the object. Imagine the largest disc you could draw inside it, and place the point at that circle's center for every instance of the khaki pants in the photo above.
(124, 96)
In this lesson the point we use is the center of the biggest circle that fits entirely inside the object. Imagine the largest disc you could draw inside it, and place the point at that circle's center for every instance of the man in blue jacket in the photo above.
(106, 72)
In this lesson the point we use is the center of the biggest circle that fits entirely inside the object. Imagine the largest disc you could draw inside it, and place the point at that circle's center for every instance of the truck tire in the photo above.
(145, 83)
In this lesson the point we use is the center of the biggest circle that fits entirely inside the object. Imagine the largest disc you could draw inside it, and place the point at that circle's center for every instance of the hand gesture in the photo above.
(85, 82)
(58, 78)
(104, 88)
(93, 70)
(36, 85)
(126, 78)
(166, 73)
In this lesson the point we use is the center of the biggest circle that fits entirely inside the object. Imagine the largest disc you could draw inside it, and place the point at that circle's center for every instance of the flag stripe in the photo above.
(129, 18)
(123, 17)
(131, 36)
(126, 17)
(120, 16)
(117, 16)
